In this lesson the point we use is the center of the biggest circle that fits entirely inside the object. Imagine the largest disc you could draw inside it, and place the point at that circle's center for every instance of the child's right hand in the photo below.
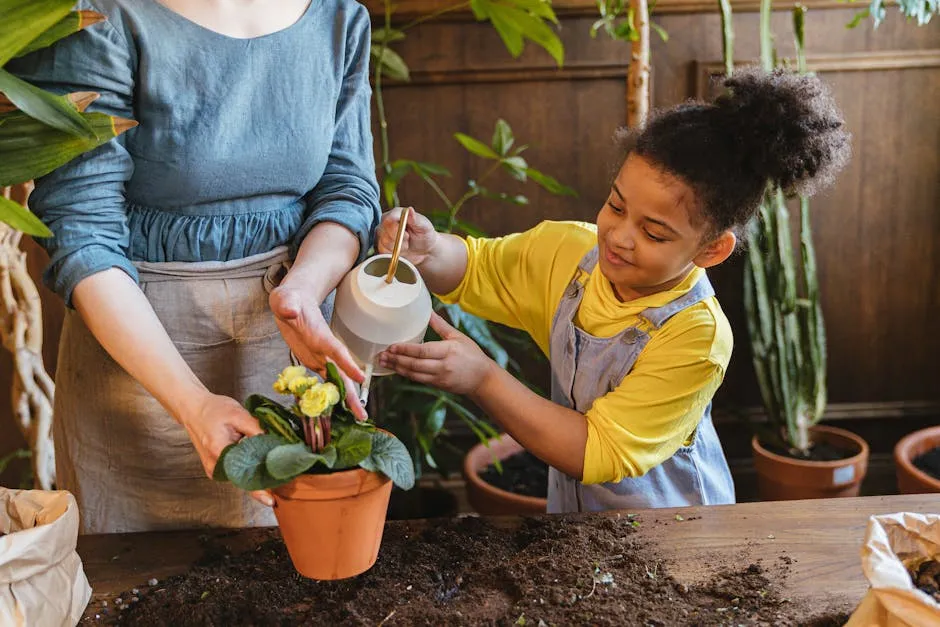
(420, 236)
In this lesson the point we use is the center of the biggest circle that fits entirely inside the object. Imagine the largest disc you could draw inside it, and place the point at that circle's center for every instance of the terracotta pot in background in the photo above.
(486, 498)
(911, 479)
(781, 478)
(332, 524)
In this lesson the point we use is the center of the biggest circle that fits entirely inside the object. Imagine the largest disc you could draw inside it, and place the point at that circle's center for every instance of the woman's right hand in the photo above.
(420, 236)
(215, 422)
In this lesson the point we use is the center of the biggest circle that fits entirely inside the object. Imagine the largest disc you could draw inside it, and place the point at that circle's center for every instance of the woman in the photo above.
(253, 154)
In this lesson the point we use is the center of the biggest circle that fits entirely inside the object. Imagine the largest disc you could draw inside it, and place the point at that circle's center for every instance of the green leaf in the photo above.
(660, 31)
(390, 457)
(289, 460)
(68, 25)
(510, 35)
(274, 417)
(858, 18)
(22, 219)
(434, 418)
(516, 166)
(25, 20)
(469, 229)
(29, 148)
(475, 146)
(430, 169)
(218, 473)
(244, 464)
(479, 331)
(393, 66)
(502, 138)
(56, 111)
(387, 35)
(334, 377)
(353, 446)
(390, 183)
(550, 184)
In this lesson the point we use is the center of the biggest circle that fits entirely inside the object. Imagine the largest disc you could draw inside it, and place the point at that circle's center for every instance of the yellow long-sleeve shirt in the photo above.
(519, 280)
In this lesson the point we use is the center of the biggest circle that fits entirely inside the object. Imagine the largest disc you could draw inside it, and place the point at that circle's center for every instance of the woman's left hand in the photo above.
(454, 364)
(311, 340)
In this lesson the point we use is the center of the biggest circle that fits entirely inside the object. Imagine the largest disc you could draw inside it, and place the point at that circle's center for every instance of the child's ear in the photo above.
(716, 251)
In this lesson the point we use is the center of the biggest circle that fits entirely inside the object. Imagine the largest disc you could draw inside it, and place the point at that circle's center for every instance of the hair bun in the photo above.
(787, 126)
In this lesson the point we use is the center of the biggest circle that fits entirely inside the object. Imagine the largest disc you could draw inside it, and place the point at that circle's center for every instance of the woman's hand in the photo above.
(311, 340)
(420, 236)
(216, 422)
(454, 364)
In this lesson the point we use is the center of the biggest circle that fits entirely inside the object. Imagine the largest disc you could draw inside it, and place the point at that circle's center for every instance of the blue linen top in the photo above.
(242, 145)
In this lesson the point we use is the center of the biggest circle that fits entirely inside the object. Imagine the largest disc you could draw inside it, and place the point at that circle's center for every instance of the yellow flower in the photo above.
(300, 384)
(332, 393)
(287, 376)
(315, 401)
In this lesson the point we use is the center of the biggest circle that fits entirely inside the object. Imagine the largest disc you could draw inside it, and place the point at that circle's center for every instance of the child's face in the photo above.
(645, 236)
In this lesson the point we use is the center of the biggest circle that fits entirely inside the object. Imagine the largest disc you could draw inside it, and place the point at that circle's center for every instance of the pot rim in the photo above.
(330, 486)
(855, 459)
(904, 459)
(472, 467)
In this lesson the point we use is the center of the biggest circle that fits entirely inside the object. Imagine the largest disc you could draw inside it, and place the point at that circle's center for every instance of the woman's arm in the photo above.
(134, 337)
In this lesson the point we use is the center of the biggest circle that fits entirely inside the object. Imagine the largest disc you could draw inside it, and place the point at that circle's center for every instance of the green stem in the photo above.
(727, 36)
(437, 189)
(470, 193)
(766, 36)
(431, 16)
(380, 102)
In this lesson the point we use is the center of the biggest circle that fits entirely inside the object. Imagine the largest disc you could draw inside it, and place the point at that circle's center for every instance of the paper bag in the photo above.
(891, 542)
(42, 583)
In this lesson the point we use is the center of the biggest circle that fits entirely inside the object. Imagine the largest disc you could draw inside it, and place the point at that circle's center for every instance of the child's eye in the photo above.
(614, 208)
(654, 238)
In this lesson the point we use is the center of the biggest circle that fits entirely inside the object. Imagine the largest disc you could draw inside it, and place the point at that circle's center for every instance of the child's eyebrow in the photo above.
(617, 191)
(663, 224)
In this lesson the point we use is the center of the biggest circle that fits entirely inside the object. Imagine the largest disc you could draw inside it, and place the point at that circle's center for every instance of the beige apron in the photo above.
(131, 466)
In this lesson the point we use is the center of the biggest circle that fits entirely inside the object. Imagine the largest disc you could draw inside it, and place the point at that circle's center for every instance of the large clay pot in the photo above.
(782, 478)
(911, 479)
(486, 498)
(332, 524)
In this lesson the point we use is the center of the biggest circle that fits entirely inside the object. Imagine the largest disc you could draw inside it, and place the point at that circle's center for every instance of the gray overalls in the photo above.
(584, 368)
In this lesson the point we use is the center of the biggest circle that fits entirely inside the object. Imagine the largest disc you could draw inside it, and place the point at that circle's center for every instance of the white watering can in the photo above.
(380, 302)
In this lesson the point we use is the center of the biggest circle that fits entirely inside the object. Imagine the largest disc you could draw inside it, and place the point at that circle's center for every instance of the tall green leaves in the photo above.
(40, 131)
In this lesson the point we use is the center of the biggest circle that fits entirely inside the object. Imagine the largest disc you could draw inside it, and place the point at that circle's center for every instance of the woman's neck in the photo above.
(241, 19)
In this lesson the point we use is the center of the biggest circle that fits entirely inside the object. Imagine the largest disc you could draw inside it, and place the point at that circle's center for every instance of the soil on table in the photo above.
(523, 473)
(467, 571)
(926, 577)
(929, 462)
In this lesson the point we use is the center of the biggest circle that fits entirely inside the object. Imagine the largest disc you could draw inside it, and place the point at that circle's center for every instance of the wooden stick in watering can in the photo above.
(389, 276)
(399, 239)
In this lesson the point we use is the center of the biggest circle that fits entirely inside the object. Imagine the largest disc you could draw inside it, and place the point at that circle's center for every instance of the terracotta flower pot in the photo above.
(911, 479)
(488, 499)
(332, 524)
(781, 478)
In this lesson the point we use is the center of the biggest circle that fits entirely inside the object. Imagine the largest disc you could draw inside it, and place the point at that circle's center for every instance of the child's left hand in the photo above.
(454, 364)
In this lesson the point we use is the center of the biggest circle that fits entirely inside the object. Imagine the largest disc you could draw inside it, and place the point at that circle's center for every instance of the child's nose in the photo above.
(624, 237)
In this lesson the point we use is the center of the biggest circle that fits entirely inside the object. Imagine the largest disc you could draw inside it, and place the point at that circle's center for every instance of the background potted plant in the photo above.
(39, 131)
(331, 476)
(793, 456)
(917, 461)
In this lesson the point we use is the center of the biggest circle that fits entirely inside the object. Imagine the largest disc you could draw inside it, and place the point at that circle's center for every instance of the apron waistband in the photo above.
(254, 266)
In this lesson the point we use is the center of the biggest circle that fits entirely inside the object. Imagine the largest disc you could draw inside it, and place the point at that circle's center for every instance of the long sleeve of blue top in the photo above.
(242, 145)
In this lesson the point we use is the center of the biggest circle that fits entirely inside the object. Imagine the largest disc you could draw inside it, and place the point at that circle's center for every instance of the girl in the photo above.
(637, 341)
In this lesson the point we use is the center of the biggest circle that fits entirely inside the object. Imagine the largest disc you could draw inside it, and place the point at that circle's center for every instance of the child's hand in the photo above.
(455, 364)
(420, 235)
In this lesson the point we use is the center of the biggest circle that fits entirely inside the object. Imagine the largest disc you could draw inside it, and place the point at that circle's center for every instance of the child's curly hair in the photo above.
(778, 127)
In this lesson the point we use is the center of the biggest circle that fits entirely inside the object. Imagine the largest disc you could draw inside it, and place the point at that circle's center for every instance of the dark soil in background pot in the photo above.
(929, 462)
(542, 571)
(523, 473)
(818, 452)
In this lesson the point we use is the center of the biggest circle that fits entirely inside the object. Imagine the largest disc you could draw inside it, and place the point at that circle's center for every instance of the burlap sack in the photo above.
(892, 541)
(42, 583)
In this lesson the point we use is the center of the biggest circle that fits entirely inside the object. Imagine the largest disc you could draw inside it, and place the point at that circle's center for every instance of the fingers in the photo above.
(354, 404)
(264, 497)
(246, 424)
(443, 328)
(426, 350)
(411, 365)
(339, 354)
(388, 228)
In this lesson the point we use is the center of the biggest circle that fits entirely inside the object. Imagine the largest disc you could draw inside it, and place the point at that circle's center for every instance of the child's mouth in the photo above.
(614, 259)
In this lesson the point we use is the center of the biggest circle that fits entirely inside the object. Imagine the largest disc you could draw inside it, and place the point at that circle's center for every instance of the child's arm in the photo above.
(555, 434)
(440, 258)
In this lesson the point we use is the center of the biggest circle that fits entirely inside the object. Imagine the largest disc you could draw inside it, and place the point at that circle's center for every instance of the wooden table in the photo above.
(821, 537)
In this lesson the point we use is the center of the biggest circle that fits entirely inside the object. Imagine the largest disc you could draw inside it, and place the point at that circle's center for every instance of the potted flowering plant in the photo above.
(331, 476)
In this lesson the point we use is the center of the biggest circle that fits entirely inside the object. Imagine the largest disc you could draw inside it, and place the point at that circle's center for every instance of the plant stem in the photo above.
(380, 102)
(431, 16)
(470, 193)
